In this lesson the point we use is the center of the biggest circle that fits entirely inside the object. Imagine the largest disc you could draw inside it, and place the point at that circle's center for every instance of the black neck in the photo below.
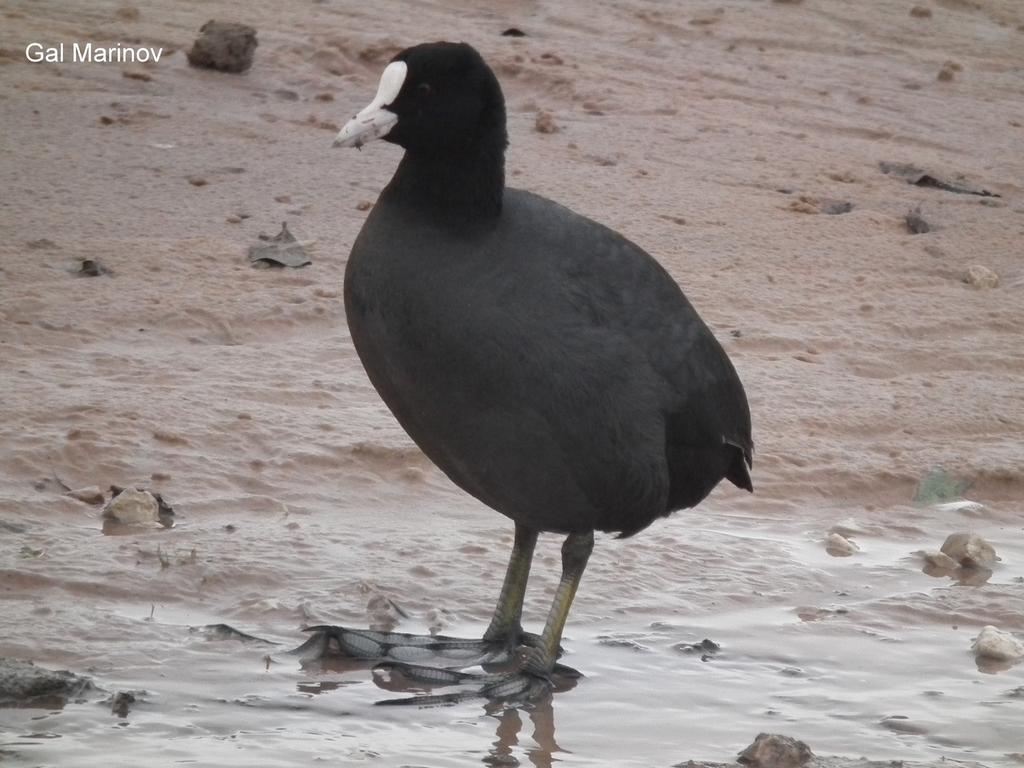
(460, 184)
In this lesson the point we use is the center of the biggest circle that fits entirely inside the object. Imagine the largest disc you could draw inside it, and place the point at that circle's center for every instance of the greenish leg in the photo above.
(505, 625)
(575, 553)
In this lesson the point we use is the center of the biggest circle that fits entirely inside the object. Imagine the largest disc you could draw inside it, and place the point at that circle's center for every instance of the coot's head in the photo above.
(436, 98)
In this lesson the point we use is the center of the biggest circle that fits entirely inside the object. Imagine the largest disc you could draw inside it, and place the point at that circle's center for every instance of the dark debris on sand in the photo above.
(23, 685)
(281, 250)
(224, 46)
(919, 178)
(916, 224)
(706, 648)
(91, 268)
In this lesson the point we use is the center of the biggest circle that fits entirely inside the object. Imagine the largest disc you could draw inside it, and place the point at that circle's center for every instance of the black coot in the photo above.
(550, 367)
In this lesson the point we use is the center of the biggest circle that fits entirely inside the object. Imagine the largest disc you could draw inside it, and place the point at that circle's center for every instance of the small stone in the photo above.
(121, 703)
(90, 495)
(133, 506)
(224, 46)
(706, 648)
(970, 550)
(364, 205)
(939, 560)
(978, 276)
(836, 207)
(993, 643)
(545, 123)
(233, 219)
(132, 75)
(916, 224)
(91, 268)
(948, 71)
(805, 204)
(24, 685)
(838, 545)
(770, 750)
(920, 12)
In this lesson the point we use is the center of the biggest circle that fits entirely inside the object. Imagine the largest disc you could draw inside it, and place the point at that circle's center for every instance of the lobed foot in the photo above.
(514, 688)
(327, 641)
(409, 661)
(369, 645)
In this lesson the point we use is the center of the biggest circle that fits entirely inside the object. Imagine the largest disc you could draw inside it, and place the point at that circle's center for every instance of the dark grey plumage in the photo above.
(546, 364)
(549, 366)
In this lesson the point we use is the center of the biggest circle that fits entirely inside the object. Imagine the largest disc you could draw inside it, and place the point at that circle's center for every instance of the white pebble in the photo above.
(970, 550)
(939, 560)
(979, 276)
(993, 643)
(133, 506)
(840, 546)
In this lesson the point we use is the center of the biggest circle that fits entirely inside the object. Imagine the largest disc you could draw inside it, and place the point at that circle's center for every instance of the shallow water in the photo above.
(864, 655)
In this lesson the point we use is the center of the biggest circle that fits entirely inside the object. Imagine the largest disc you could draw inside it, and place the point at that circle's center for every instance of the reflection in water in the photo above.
(973, 577)
(966, 577)
(323, 686)
(112, 527)
(509, 720)
(510, 723)
(991, 666)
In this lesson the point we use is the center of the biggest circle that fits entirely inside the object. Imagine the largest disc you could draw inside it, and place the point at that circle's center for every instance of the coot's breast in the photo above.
(533, 360)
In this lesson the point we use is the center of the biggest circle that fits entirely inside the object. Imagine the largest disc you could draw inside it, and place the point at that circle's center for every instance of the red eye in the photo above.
(424, 89)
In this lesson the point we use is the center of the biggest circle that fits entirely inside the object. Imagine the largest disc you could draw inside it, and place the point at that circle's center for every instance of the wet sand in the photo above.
(715, 137)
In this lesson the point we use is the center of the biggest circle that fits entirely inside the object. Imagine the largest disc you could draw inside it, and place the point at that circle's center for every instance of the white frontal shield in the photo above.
(374, 120)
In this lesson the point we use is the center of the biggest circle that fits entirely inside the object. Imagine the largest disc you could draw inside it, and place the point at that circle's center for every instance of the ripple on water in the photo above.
(863, 655)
